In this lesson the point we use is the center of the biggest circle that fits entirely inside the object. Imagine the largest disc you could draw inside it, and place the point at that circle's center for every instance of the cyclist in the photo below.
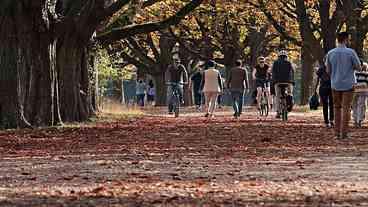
(282, 74)
(175, 76)
(262, 75)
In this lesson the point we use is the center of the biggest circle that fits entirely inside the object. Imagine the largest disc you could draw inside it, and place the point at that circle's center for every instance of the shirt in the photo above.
(341, 63)
(238, 79)
(212, 81)
(140, 88)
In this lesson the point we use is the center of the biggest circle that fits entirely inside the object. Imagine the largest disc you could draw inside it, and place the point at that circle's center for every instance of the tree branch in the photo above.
(131, 30)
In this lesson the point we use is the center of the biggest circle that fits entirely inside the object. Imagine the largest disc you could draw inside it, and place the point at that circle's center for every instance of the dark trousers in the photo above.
(327, 103)
(140, 99)
(197, 97)
(238, 98)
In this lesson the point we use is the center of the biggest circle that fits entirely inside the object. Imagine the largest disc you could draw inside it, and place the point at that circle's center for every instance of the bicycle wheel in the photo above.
(284, 113)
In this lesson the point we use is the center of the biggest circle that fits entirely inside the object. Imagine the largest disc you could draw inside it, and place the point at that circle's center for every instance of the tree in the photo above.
(44, 62)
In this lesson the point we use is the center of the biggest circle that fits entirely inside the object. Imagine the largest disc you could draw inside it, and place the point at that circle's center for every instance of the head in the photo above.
(261, 61)
(343, 38)
(283, 54)
(210, 64)
(238, 63)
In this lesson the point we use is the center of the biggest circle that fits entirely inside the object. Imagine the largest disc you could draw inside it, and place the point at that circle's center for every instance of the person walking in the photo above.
(151, 92)
(361, 93)
(140, 91)
(212, 87)
(341, 64)
(196, 81)
(237, 81)
(325, 93)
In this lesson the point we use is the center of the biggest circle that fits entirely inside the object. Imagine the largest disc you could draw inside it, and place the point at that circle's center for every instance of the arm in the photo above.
(328, 65)
(167, 75)
(254, 73)
(356, 62)
(219, 79)
(229, 79)
(203, 81)
(185, 75)
(246, 80)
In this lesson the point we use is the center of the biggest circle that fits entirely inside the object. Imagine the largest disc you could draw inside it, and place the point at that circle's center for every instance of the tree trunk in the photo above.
(73, 64)
(307, 76)
(160, 85)
(28, 78)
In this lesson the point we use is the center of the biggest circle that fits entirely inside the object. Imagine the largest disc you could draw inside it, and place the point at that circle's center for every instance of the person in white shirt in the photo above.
(212, 87)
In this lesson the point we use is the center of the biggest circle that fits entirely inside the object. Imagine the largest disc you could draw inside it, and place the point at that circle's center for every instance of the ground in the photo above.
(157, 160)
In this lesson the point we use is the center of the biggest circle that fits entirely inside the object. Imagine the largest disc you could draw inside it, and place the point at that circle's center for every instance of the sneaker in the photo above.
(207, 115)
(360, 124)
(170, 112)
(332, 124)
(328, 125)
(278, 116)
(344, 136)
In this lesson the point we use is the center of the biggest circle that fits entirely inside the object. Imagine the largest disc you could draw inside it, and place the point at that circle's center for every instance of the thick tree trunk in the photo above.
(27, 67)
(307, 77)
(73, 64)
(160, 89)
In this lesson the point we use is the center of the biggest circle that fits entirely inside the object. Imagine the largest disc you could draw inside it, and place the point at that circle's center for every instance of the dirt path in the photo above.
(191, 161)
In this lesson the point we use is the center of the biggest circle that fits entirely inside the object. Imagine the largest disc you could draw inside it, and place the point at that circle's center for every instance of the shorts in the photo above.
(262, 83)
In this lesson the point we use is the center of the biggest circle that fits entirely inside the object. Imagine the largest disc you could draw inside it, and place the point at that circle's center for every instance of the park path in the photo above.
(156, 160)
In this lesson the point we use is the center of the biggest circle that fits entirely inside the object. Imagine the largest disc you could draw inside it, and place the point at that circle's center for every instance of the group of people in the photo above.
(142, 90)
(209, 83)
(343, 87)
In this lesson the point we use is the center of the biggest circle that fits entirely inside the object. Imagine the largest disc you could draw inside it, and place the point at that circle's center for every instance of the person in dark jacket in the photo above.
(282, 73)
(237, 81)
(196, 81)
(325, 94)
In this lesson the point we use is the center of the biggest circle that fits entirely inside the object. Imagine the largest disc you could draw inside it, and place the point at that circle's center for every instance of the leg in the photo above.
(347, 99)
(213, 101)
(355, 108)
(259, 94)
(331, 107)
(241, 101)
(361, 99)
(269, 97)
(169, 98)
(337, 98)
(235, 97)
(324, 100)
(277, 98)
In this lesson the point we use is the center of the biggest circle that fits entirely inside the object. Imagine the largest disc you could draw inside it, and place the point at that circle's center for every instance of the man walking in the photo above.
(341, 63)
(237, 81)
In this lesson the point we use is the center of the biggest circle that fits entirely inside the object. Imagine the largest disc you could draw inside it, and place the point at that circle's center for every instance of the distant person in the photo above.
(212, 87)
(361, 94)
(237, 82)
(341, 64)
(176, 76)
(151, 93)
(140, 91)
(282, 74)
(325, 93)
(196, 81)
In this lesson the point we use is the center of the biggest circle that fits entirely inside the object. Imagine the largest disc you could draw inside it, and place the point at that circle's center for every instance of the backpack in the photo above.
(314, 102)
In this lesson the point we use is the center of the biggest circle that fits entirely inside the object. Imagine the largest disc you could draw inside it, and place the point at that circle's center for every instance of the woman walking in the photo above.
(212, 87)
(361, 93)
(325, 92)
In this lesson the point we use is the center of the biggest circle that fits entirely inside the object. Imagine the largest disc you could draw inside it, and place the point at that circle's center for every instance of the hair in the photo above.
(364, 66)
(261, 58)
(342, 37)
(238, 63)
(210, 64)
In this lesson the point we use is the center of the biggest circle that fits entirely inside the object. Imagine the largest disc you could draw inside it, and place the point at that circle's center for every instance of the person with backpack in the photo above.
(283, 74)
(341, 63)
(325, 93)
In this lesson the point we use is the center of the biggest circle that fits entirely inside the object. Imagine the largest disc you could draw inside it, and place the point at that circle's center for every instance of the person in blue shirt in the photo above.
(341, 64)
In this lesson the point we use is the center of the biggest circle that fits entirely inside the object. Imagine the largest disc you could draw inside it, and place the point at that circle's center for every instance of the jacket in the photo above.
(282, 71)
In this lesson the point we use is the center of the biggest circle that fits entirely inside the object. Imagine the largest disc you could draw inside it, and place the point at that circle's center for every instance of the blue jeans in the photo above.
(170, 96)
(238, 98)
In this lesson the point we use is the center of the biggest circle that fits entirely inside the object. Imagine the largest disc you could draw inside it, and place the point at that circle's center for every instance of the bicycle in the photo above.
(283, 104)
(175, 99)
(264, 105)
